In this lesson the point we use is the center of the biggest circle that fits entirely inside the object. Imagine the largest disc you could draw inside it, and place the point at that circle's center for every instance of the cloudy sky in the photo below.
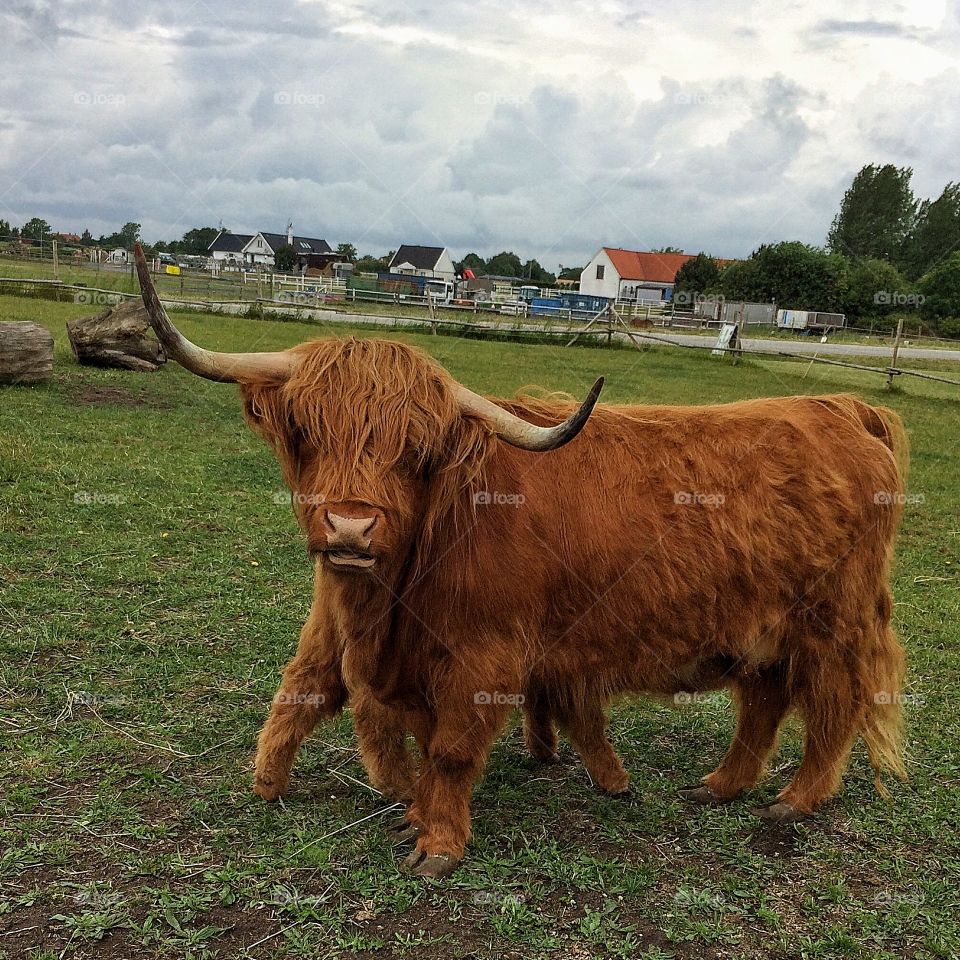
(550, 128)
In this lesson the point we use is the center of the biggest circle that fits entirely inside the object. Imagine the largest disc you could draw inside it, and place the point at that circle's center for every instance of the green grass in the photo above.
(151, 587)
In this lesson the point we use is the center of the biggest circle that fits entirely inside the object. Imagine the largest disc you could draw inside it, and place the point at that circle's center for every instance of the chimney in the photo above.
(290, 233)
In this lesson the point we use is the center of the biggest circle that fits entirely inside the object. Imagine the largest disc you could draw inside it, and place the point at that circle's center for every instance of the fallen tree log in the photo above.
(116, 337)
(26, 352)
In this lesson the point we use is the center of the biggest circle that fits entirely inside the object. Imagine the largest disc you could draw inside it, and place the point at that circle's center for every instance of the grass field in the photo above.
(152, 584)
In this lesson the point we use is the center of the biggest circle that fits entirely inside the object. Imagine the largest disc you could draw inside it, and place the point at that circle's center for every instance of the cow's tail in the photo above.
(883, 725)
(885, 424)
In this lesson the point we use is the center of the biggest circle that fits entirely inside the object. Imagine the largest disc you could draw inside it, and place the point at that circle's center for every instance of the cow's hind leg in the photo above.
(312, 688)
(762, 700)
(539, 730)
(382, 739)
(585, 724)
(831, 696)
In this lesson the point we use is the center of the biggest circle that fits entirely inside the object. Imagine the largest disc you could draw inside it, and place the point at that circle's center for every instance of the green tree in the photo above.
(666, 250)
(936, 234)
(570, 273)
(695, 278)
(196, 242)
(368, 263)
(876, 215)
(505, 265)
(35, 229)
(874, 288)
(285, 258)
(794, 274)
(347, 250)
(534, 273)
(86, 238)
(940, 294)
(5, 229)
(474, 262)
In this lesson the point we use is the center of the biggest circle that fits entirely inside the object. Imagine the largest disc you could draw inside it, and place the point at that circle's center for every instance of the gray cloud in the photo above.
(550, 130)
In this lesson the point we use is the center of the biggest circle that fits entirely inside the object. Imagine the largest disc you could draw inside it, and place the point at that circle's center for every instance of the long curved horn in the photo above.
(223, 367)
(518, 432)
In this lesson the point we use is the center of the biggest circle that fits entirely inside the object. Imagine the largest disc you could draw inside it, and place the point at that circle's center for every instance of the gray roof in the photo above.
(300, 244)
(421, 258)
(229, 242)
(235, 242)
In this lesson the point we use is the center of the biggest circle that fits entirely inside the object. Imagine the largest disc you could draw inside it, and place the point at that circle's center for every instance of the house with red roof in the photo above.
(631, 274)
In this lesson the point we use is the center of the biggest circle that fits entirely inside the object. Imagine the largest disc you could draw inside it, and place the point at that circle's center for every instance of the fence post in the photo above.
(896, 350)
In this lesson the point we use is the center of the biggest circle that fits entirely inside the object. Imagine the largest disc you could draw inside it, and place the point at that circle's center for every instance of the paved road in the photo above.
(795, 345)
(811, 346)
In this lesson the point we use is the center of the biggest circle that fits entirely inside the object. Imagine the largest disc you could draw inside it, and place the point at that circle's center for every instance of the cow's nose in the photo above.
(350, 531)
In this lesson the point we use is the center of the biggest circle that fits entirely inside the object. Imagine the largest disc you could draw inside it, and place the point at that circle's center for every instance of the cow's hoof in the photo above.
(702, 794)
(779, 812)
(432, 866)
(624, 793)
(402, 831)
(268, 790)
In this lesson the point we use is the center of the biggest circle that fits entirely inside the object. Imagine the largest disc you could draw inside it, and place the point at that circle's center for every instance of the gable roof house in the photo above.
(632, 274)
(423, 262)
(261, 247)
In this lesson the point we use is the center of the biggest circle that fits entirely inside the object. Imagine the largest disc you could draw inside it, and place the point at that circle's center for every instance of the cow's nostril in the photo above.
(350, 530)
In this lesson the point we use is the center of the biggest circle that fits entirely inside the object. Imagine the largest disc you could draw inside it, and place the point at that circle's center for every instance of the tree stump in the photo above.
(26, 352)
(117, 337)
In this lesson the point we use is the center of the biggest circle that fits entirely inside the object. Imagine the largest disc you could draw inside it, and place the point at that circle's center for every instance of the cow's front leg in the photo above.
(454, 760)
(312, 688)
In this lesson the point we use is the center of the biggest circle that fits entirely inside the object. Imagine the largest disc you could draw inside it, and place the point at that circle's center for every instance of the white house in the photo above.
(423, 262)
(631, 274)
(261, 247)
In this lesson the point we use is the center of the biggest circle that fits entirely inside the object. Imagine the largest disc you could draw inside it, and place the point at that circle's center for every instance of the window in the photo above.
(600, 269)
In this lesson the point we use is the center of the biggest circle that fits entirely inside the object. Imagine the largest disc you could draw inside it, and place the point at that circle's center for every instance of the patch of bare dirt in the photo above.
(96, 395)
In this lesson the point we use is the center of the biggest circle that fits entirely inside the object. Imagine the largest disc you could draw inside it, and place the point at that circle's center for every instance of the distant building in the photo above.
(423, 262)
(631, 274)
(262, 247)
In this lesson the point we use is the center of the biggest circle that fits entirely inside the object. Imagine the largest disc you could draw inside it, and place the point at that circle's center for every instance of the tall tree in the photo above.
(347, 250)
(936, 234)
(474, 262)
(285, 258)
(197, 241)
(695, 278)
(505, 265)
(535, 273)
(876, 215)
(35, 229)
(940, 289)
(86, 238)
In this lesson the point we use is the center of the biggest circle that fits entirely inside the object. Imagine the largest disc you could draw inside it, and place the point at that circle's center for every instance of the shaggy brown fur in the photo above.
(666, 549)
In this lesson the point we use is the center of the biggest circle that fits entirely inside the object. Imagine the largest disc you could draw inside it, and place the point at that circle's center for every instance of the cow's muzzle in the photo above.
(348, 540)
